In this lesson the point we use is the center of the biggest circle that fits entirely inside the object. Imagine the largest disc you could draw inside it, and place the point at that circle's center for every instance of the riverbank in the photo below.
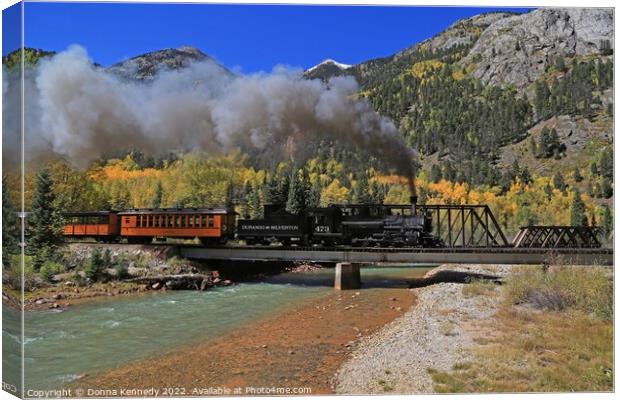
(130, 270)
(482, 337)
(300, 347)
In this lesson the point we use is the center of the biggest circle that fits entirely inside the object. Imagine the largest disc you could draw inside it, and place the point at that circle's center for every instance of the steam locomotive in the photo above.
(355, 225)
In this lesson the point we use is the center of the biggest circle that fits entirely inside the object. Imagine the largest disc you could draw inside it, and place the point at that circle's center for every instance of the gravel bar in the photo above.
(435, 333)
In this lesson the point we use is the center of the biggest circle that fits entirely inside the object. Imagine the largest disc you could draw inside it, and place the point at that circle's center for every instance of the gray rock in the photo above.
(462, 32)
(516, 50)
(133, 271)
(147, 66)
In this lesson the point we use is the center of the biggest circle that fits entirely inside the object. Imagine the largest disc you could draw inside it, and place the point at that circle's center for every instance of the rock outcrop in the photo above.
(462, 32)
(517, 49)
(144, 67)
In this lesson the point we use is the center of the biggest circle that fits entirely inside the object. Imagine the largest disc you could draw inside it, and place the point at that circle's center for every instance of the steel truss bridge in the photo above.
(470, 234)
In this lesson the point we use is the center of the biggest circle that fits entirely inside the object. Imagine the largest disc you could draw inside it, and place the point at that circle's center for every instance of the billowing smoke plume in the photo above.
(80, 111)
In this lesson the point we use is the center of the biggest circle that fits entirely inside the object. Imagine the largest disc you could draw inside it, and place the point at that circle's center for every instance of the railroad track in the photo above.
(458, 249)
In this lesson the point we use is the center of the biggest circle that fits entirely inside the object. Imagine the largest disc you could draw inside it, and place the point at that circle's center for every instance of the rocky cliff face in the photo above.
(517, 49)
(463, 32)
(146, 66)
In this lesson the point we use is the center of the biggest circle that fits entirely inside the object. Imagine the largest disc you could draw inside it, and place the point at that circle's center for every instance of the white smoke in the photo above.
(79, 111)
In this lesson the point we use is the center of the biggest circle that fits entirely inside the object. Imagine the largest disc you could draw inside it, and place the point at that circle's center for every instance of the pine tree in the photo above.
(270, 189)
(282, 189)
(525, 175)
(361, 194)
(606, 164)
(158, 197)
(314, 195)
(378, 192)
(256, 208)
(607, 222)
(10, 226)
(296, 202)
(230, 195)
(44, 222)
(435, 173)
(594, 169)
(120, 196)
(558, 181)
(606, 190)
(94, 268)
(577, 175)
(248, 195)
(578, 211)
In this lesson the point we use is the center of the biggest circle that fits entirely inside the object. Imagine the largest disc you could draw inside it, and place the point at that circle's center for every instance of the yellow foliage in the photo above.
(422, 68)
(457, 74)
(334, 193)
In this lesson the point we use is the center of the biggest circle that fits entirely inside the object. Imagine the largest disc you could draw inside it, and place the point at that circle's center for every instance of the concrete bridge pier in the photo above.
(347, 276)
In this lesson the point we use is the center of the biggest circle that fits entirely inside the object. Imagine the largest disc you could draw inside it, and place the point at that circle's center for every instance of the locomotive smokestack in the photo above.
(414, 195)
(414, 202)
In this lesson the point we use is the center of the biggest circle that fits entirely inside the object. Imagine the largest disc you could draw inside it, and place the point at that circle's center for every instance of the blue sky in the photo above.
(249, 37)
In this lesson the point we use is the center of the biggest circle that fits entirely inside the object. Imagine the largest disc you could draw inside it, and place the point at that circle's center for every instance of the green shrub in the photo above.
(49, 269)
(106, 259)
(588, 289)
(94, 267)
(14, 275)
(121, 270)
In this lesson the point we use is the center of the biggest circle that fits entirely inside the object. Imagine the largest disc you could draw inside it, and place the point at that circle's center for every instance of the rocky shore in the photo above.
(434, 334)
(148, 269)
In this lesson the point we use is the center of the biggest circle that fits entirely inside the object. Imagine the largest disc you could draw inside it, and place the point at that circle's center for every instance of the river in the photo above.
(110, 332)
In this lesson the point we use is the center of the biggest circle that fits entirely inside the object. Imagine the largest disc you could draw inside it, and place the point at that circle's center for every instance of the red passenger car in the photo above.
(99, 225)
(210, 225)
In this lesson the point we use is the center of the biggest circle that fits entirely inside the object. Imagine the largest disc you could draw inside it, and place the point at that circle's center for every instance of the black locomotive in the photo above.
(357, 225)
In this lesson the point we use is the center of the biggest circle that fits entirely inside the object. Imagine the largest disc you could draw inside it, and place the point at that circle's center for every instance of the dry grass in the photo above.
(588, 289)
(563, 343)
(479, 287)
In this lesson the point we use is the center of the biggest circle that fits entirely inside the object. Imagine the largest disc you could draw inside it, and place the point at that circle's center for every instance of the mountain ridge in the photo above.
(472, 97)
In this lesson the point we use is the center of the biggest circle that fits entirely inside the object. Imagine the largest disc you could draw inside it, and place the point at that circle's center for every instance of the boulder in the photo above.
(133, 271)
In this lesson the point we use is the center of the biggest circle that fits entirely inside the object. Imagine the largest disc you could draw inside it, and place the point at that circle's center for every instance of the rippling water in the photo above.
(61, 346)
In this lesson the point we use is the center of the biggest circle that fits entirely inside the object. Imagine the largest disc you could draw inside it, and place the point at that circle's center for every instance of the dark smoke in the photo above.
(79, 111)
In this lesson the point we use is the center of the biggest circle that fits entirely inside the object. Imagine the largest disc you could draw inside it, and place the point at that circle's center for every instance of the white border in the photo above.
(471, 3)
